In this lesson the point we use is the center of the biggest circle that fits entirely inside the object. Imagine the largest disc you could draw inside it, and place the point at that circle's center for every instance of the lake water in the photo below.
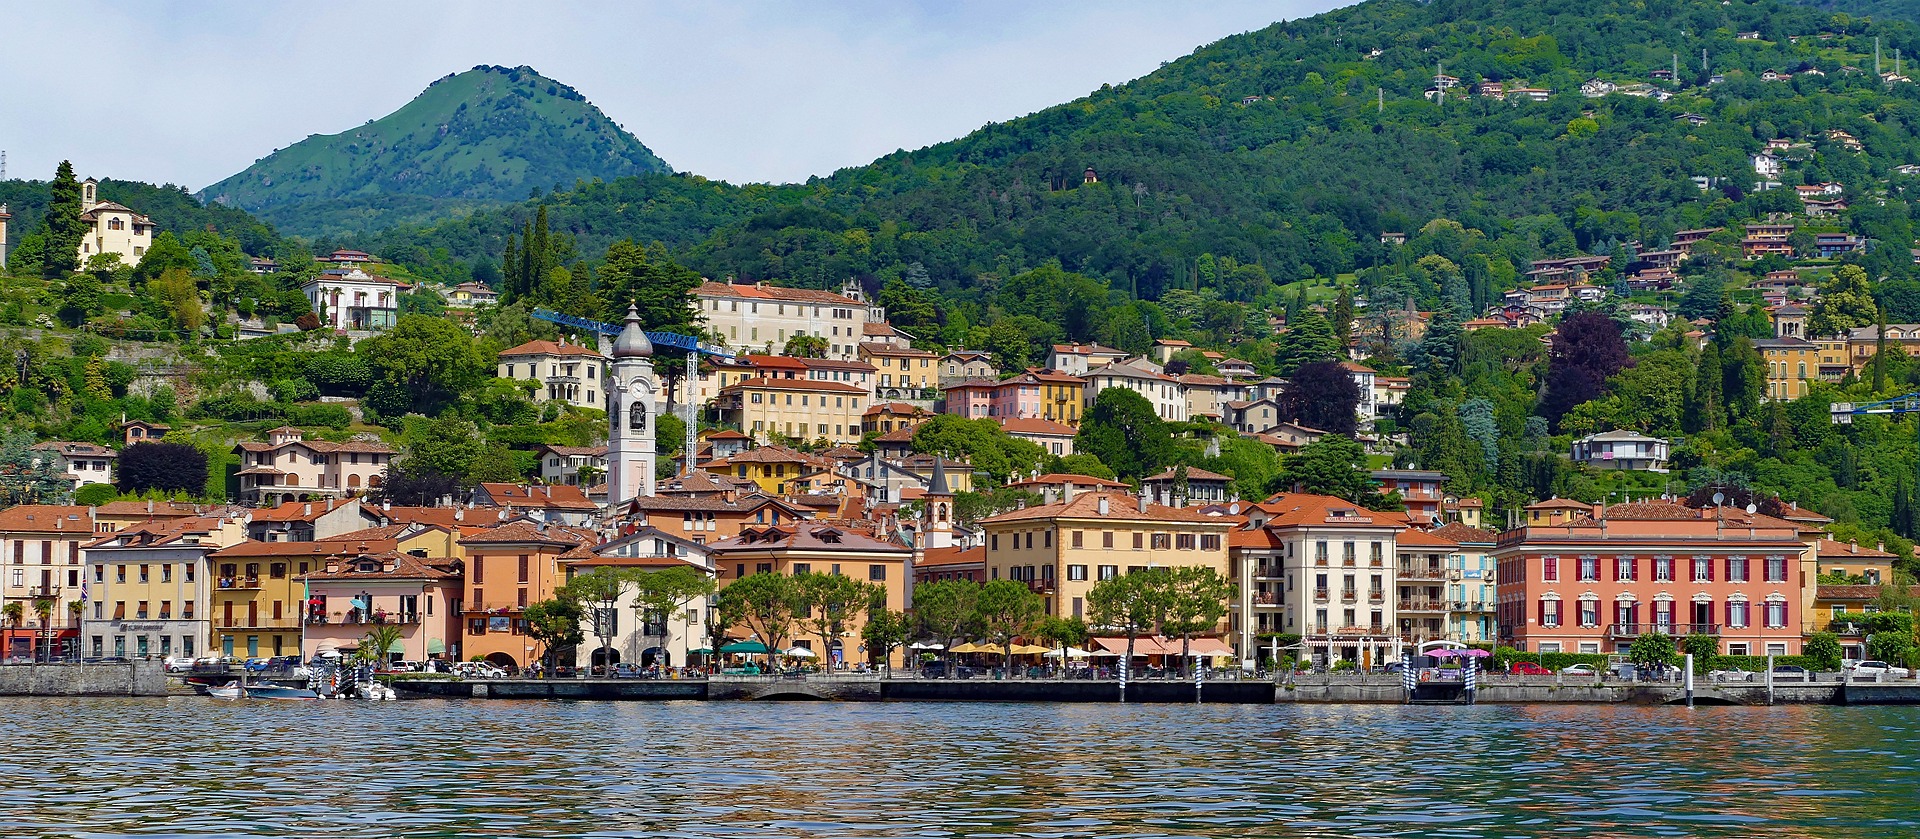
(192, 766)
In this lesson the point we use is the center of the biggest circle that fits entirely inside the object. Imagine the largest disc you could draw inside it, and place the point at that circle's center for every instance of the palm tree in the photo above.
(378, 644)
(43, 610)
(14, 612)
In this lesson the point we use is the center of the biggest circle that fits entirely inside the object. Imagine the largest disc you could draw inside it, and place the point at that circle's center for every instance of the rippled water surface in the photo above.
(200, 767)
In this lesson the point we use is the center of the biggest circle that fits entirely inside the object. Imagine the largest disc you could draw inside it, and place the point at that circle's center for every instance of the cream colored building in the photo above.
(564, 372)
(149, 589)
(353, 299)
(112, 228)
(1167, 395)
(40, 561)
(1323, 568)
(803, 409)
(288, 467)
(1061, 550)
(762, 317)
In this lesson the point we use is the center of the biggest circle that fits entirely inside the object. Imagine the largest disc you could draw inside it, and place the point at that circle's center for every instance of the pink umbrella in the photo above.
(1474, 653)
(1442, 653)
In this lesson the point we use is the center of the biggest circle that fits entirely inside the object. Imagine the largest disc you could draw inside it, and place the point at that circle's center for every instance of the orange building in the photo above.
(821, 547)
(507, 568)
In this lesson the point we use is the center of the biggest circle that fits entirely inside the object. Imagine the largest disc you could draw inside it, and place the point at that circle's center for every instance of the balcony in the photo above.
(390, 619)
(240, 583)
(1422, 604)
(1349, 594)
(1320, 561)
(43, 592)
(1040, 586)
(1268, 572)
(1422, 572)
(1321, 594)
(1848, 628)
(1266, 599)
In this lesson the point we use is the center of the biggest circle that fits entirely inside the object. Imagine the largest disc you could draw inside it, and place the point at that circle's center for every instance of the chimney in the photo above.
(1853, 546)
(1880, 546)
(1066, 491)
(1051, 495)
(306, 509)
(1143, 499)
(1103, 506)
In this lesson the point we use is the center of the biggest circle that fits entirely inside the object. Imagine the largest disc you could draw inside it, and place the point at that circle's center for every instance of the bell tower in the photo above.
(632, 408)
(937, 509)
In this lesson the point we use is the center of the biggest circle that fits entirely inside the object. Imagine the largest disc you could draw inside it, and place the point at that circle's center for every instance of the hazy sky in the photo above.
(191, 92)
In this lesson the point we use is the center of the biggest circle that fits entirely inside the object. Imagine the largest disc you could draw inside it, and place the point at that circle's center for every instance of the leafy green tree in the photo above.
(1007, 609)
(1651, 650)
(1198, 598)
(176, 291)
(806, 346)
(81, 298)
(599, 590)
(379, 642)
(827, 605)
(1124, 432)
(1062, 633)
(1893, 647)
(766, 604)
(886, 630)
(1705, 650)
(671, 593)
(27, 476)
(555, 624)
(429, 360)
(1331, 465)
(945, 611)
(647, 278)
(982, 441)
(1587, 350)
(1823, 649)
(64, 230)
(1846, 302)
(1131, 605)
(167, 467)
(1322, 395)
(1308, 339)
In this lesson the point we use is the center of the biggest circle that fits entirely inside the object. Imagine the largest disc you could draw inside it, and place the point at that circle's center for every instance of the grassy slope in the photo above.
(486, 135)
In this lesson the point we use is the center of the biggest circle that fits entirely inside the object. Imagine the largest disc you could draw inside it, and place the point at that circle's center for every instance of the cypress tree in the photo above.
(542, 248)
(524, 282)
(510, 268)
(65, 230)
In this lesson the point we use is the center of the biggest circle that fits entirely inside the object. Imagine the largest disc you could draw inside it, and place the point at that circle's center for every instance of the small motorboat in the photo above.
(230, 690)
(266, 691)
(374, 691)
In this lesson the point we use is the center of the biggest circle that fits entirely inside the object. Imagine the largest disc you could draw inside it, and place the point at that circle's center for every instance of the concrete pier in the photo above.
(133, 678)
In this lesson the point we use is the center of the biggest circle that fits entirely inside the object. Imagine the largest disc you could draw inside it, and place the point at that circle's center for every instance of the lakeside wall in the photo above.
(134, 678)
(1306, 690)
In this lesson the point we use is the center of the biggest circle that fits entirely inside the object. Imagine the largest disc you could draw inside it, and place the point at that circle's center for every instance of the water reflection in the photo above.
(193, 767)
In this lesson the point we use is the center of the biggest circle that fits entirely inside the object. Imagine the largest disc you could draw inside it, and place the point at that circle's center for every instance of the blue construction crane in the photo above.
(693, 347)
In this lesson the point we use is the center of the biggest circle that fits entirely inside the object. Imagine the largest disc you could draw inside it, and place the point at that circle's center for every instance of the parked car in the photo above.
(1791, 673)
(1732, 675)
(1579, 670)
(1395, 667)
(1882, 669)
(1528, 668)
(626, 670)
(177, 663)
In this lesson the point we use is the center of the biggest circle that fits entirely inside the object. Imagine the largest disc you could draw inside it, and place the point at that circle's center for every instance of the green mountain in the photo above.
(1890, 9)
(1292, 148)
(488, 135)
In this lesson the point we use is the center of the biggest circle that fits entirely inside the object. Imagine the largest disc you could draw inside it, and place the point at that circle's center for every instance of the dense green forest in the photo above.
(477, 138)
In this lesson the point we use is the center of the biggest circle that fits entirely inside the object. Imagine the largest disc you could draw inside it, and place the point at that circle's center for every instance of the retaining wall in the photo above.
(136, 678)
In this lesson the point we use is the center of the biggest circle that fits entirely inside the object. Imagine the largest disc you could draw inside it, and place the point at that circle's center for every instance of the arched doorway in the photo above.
(655, 655)
(605, 657)
(502, 661)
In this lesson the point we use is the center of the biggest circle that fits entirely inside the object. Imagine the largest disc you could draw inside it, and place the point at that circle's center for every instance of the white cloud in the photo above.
(192, 92)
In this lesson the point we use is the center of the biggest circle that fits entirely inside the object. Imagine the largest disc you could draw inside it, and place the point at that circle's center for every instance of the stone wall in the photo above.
(138, 678)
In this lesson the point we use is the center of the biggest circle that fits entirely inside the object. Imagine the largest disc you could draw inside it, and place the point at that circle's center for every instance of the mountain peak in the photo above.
(488, 134)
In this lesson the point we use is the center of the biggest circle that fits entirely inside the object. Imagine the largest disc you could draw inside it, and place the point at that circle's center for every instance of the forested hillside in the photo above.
(487, 135)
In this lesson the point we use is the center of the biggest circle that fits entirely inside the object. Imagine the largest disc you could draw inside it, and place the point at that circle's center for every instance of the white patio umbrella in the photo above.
(801, 652)
(1072, 652)
(918, 645)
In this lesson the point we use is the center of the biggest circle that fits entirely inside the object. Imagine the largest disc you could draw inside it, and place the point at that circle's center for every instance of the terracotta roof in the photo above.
(1194, 473)
(1121, 506)
(897, 408)
(1422, 539)
(764, 383)
(898, 435)
(452, 518)
(1253, 537)
(1651, 511)
(1054, 376)
(937, 557)
(405, 567)
(159, 533)
(83, 449)
(1845, 550)
(1064, 478)
(876, 348)
(522, 531)
(774, 293)
(550, 348)
(1304, 509)
(1462, 534)
(552, 497)
(295, 511)
(728, 434)
(770, 454)
(1560, 504)
(575, 451)
(1035, 425)
(1847, 592)
(805, 535)
(324, 547)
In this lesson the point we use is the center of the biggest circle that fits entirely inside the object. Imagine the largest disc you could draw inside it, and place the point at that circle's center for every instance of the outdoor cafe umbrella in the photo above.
(1442, 653)
(920, 645)
(800, 652)
(745, 647)
(1030, 649)
(1072, 652)
(971, 647)
(1473, 652)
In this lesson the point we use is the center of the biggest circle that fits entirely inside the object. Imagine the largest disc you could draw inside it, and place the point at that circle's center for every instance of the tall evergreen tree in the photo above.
(1704, 412)
(64, 229)
(540, 246)
(647, 277)
(510, 267)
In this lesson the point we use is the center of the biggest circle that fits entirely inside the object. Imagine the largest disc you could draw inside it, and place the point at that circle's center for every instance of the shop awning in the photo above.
(435, 646)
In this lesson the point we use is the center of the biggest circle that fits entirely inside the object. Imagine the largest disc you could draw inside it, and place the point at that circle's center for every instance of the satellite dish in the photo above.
(1752, 508)
(1719, 498)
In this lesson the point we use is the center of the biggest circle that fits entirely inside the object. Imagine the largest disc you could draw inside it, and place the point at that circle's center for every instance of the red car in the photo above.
(1528, 668)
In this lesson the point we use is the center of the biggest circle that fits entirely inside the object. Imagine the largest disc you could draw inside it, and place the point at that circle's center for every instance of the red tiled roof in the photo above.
(1120, 507)
(1846, 550)
(805, 535)
(764, 383)
(770, 292)
(1462, 534)
(1035, 425)
(550, 348)
(405, 567)
(1299, 509)
(937, 557)
(1194, 473)
(1064, 478)
(557, 497)
(1422, 539)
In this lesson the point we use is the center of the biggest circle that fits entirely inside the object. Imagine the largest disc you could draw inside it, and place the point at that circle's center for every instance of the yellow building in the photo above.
(800, 409)
(1062, 549)
(112, 228)
(1793, 362)
(257, 594)
(797, 547)
(773, 468)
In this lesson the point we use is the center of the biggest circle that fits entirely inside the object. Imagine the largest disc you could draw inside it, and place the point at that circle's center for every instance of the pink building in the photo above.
(349, 596)
(1593, 585)
(1034, 394)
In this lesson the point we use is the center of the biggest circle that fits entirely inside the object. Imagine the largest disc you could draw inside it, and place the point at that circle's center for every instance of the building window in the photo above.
(1139, 540)
(1077, 538)
(1076, 573)
(1184, 541)
(1550, 569)
(1108, 572)
(877, 573)
(1776, 569)
(1776, 614)
(1550, 613)
(1663, 569)
(1736, 615)
(1210, 542)
(1106, 538)
(1589, 569)
(1161, 541)
(1623, 569)
(1736, 569)
(1589, 613)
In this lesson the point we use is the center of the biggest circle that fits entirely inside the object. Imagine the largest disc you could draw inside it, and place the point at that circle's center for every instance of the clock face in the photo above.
(640, 390)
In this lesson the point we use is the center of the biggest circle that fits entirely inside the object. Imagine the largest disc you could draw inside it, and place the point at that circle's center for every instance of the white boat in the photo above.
(374, 691)
(230, 690)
